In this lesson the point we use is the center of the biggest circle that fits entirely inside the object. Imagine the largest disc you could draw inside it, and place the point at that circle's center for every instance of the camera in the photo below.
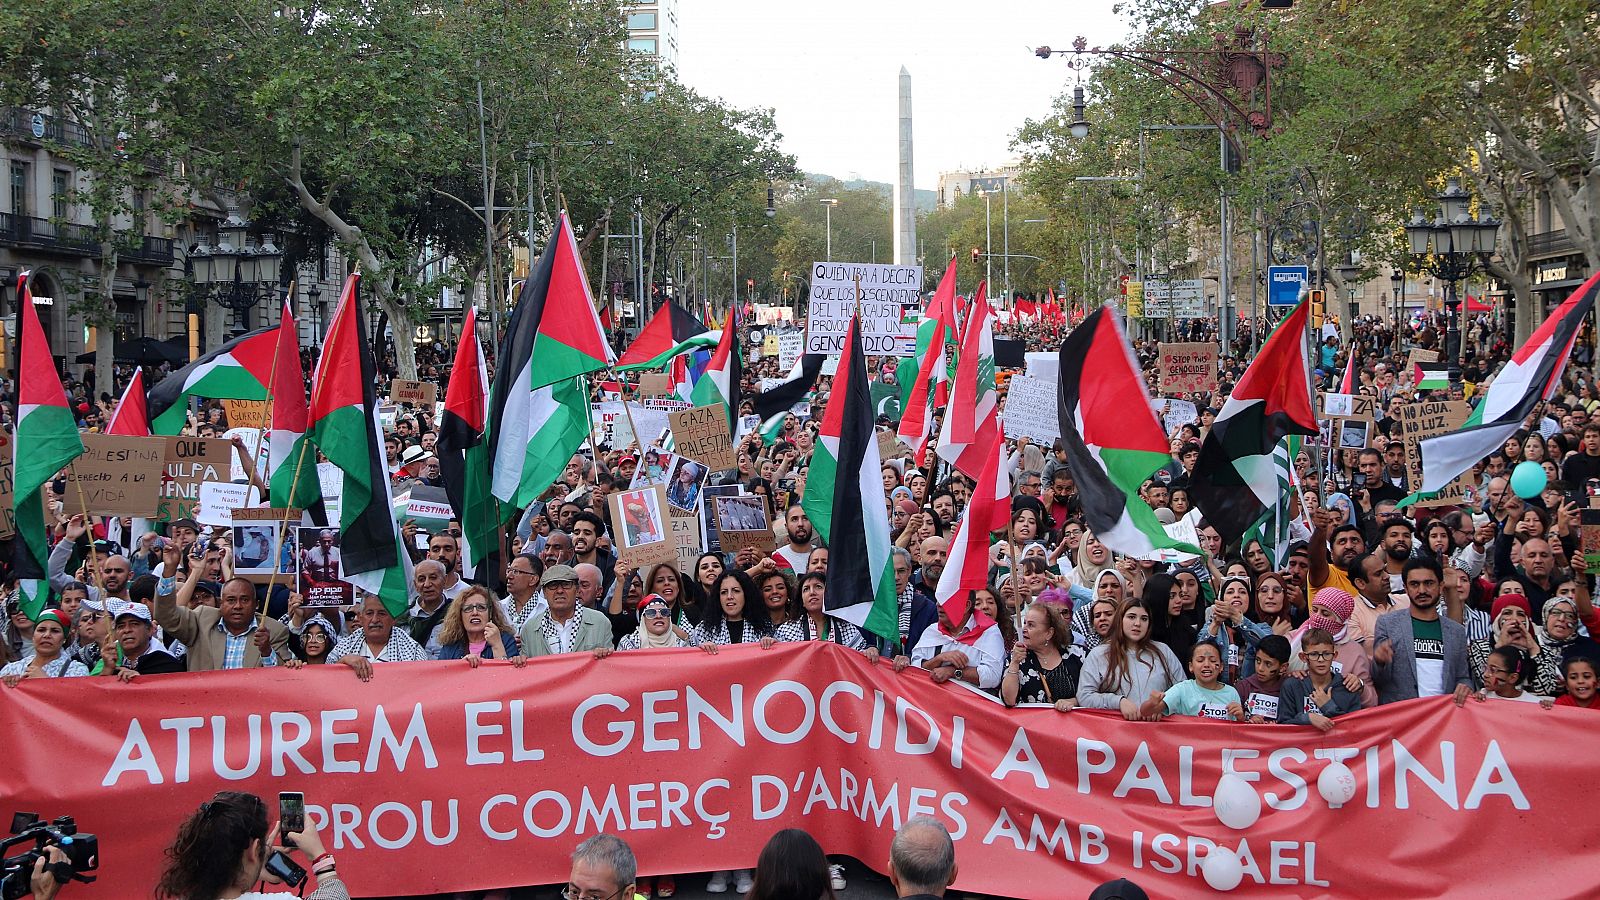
(16, 872)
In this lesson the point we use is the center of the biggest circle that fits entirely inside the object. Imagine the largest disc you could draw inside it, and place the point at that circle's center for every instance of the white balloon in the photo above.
(1222, 869)
(1336, 784)
(1236, 802)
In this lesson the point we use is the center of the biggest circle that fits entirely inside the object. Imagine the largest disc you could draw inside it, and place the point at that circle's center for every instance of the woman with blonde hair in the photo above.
(475, 628)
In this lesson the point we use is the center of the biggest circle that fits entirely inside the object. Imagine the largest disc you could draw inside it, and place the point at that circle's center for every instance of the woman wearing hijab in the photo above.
(1093, 558)
(49, 636)
(1111, 587)
(655, 629)
(1330, 611)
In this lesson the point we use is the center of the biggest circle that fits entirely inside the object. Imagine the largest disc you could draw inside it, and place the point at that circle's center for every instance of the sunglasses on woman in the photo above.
(655, 614)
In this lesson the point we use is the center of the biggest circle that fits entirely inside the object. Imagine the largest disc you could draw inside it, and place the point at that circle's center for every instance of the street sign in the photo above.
(1181, 299)
(1284, 284)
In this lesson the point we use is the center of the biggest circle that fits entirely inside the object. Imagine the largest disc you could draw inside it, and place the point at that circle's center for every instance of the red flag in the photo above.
(967, 568)
(130, 417)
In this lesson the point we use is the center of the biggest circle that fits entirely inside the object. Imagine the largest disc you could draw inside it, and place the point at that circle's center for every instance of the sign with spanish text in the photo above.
(191, 462)
(702, 435)
(1032, 410)
(1421, 420)
(888, 298)
(118, 475)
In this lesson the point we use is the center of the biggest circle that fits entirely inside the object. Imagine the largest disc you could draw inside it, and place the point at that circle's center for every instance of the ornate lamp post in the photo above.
(234, 274)
(1452, 247)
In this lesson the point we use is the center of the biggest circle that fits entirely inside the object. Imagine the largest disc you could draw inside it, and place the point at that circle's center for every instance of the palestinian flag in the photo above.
(796, 387)
(721, 380)
(1112, 439)
(844, 501)
(967, 569)
(1348, 384)
(974, 402)
(929, 388)
(1532, 375)
(241, 369)
(45, 440)
(291, 463)
(669, 332)
(463, 453)
(130, 417)
(537, 401)
(343, 424)
(1233, 482)
(1430, 376)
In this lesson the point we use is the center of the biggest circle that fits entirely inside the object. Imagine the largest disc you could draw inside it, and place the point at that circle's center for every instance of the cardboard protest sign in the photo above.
(702, 435)
(1418, 355)
(642, 530)
(262, 545)
(687, 538)
(191, 462)
(1032, 410)
(1425, 419)
(888, 445)
(887, 297)
(742, 522)
(8, 515)
(416, 393)
(218, 500)
(118, 475)
(654, 384)
(319, 575)
(1346, 406)
(708, 515)
(245, 413)
(1186, 368)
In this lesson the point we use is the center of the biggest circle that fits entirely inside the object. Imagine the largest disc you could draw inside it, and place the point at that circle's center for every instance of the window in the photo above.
(642, 21)
(643, 45)
(20, 182)
(60, 203)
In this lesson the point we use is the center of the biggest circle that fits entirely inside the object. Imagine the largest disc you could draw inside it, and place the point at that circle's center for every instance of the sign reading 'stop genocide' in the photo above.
(890, 300)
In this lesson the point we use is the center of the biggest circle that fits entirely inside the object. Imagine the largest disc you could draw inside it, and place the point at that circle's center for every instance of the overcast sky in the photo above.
(830, 70)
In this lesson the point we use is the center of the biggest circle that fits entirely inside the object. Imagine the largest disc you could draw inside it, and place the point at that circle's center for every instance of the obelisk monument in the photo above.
(905, 191)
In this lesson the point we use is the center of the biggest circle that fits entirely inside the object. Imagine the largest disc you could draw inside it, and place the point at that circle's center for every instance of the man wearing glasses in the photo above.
(523, 601)
(603, 868)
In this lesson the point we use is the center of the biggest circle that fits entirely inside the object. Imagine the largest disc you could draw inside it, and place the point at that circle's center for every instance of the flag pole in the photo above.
(1310, 345)
(88, 523)
(628, 411)
(272, 380)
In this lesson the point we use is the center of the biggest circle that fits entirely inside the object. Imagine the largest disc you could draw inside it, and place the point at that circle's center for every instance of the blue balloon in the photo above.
(1528, 479)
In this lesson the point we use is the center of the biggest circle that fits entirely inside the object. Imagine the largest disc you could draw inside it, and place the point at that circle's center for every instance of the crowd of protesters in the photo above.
(1372, 604)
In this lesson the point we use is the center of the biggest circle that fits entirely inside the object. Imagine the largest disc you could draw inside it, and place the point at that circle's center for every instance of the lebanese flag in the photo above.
(971, 419)
(967, 568)
(130, 417)
(343, 424)
(1532, 375)
(1234, 482)
(463, 453)
(45, 440)
(1111, 437)
(929, 388)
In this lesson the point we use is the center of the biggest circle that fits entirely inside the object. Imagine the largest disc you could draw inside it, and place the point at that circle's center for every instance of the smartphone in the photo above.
(1360, 480)
(291, 812)
(285, 869)
(421, 540)
(1480, 519)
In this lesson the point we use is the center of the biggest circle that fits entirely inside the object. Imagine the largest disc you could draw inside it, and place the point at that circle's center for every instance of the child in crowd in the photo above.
(1203, 695)
(1583, 687)
(1259, 691)
(1321, 696)
(1501, 671)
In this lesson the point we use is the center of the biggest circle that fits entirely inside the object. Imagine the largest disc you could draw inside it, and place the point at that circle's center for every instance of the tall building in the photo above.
(653, 29)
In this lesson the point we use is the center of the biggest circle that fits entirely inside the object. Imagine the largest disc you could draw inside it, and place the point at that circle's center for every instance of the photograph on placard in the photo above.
(643, 521)
(1353, 433)
(655, 468)
(321, 574)
(708, 512)
(683, 485)
(254, 543)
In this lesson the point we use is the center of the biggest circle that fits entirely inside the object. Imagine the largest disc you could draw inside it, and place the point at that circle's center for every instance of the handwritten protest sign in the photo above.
(245, 413)
(790, 346)
(1425, 419)
(191, 462)
(8, 516)
(888, 300)
(1032, 410)
(687, 538)
(702, 435)
(416, 393)
(1186, 368)
(118, 475)
(654, 384)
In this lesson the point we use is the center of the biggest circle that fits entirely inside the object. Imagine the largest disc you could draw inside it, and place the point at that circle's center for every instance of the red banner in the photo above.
(435, 777)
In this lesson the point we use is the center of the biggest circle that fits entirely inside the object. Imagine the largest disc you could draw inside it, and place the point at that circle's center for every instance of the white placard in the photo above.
(331, 481)
(1032, 410)
(790, 346)
(1174, 413)
(890, 298)
(258, 453)
(219, 500)
(1043, 365)
(650, 422)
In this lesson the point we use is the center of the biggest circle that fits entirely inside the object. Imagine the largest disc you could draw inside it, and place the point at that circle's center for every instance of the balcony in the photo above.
(1549, 243)
(28, 125)
(150, 251)
(43, 234)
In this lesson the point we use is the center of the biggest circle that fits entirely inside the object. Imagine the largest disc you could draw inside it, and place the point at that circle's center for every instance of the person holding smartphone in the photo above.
(226, 847)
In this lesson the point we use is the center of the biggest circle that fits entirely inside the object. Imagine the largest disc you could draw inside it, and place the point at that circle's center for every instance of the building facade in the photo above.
(653, 29)
(955, 185)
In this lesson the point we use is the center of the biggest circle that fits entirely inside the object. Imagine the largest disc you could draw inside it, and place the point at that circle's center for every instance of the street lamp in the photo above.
(988, 238)
(1397, 283)
(1452, 247)
(828, 203)
(233, 274)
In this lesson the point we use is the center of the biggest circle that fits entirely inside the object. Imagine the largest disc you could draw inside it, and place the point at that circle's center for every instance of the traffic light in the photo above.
(975, 254)
(1318, 308)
